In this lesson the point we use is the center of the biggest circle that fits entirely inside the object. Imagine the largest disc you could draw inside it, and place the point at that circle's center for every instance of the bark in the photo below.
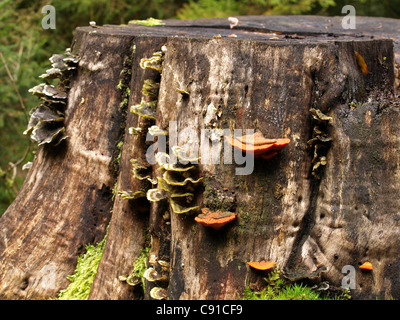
(284, 213)
(66, 198)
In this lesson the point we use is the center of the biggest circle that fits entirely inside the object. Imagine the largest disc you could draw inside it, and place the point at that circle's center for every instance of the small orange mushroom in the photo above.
(366, 266)
(258, 145)
(361, 63)
(263, 265)
(215, 219)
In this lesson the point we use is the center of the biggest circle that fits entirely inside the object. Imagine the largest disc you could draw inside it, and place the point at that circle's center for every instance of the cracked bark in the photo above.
(348, 216)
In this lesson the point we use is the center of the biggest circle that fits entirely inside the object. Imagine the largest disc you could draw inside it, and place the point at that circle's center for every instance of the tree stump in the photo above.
(330, 198)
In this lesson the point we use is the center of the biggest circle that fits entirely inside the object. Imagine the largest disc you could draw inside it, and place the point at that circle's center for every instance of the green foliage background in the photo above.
(26, 48)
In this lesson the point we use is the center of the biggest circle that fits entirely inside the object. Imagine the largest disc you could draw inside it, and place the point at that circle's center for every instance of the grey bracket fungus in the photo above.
(302, 273)
(183, 92)
(182, 156)
(178, 178)
(131, 279)
(164, 161)
(150, 88)
(178, 183)
(319, 141)
(135, 131)
(154, 62)
(51, 73)
(41, 114)
(46, 123)
(46, 126)
(158, 293)
(154, 195)
(153, 276)
(129, 195)
(156, 131)
(141, 171)
(145, 109)
(45, 134)
(182, 209)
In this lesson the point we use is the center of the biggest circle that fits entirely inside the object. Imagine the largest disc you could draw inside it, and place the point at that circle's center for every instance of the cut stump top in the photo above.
(276, 28)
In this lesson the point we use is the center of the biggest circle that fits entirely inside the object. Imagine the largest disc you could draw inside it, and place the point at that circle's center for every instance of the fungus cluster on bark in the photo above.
(320, 140)
(46, 125)
(177, 182)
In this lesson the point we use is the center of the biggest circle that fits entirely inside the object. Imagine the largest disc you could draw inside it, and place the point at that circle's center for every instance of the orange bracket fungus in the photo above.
(366, 266)
(258, 145)
(361, 63)
(215, 219)
(263, 265)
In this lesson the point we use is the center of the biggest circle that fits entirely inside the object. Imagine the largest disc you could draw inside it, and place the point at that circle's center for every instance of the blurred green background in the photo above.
(25, 48)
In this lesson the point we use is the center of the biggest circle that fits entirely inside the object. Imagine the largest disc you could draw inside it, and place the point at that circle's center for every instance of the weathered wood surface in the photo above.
(284, 214)
(65, 201)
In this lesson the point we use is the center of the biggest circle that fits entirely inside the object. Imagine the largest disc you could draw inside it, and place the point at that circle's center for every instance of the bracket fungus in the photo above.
(154, 62)
(154, 195)
(134, 131)
(129, 195)
(156, 131)
(131, 279)
(361, 63)
(141, 171)
(302, 273)
(46, 125)
(215, 219)
(320, 140)
(177, 183)
(258, 145)
(158, 293)
(183, 92)
(262, 265)
(150, 88)
(153, 276)
(60, 65)
(182, 156)
(233, 22)
(366, 266)
(145, 109)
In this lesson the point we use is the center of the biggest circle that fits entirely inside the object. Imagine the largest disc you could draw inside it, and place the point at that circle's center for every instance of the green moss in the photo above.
(139, 267)
(114, 190)
(278, 289)
(86, 270)
(150, 22)
(118, 158)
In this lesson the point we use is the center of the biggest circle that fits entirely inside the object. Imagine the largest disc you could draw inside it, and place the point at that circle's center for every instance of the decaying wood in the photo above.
(266, 78)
